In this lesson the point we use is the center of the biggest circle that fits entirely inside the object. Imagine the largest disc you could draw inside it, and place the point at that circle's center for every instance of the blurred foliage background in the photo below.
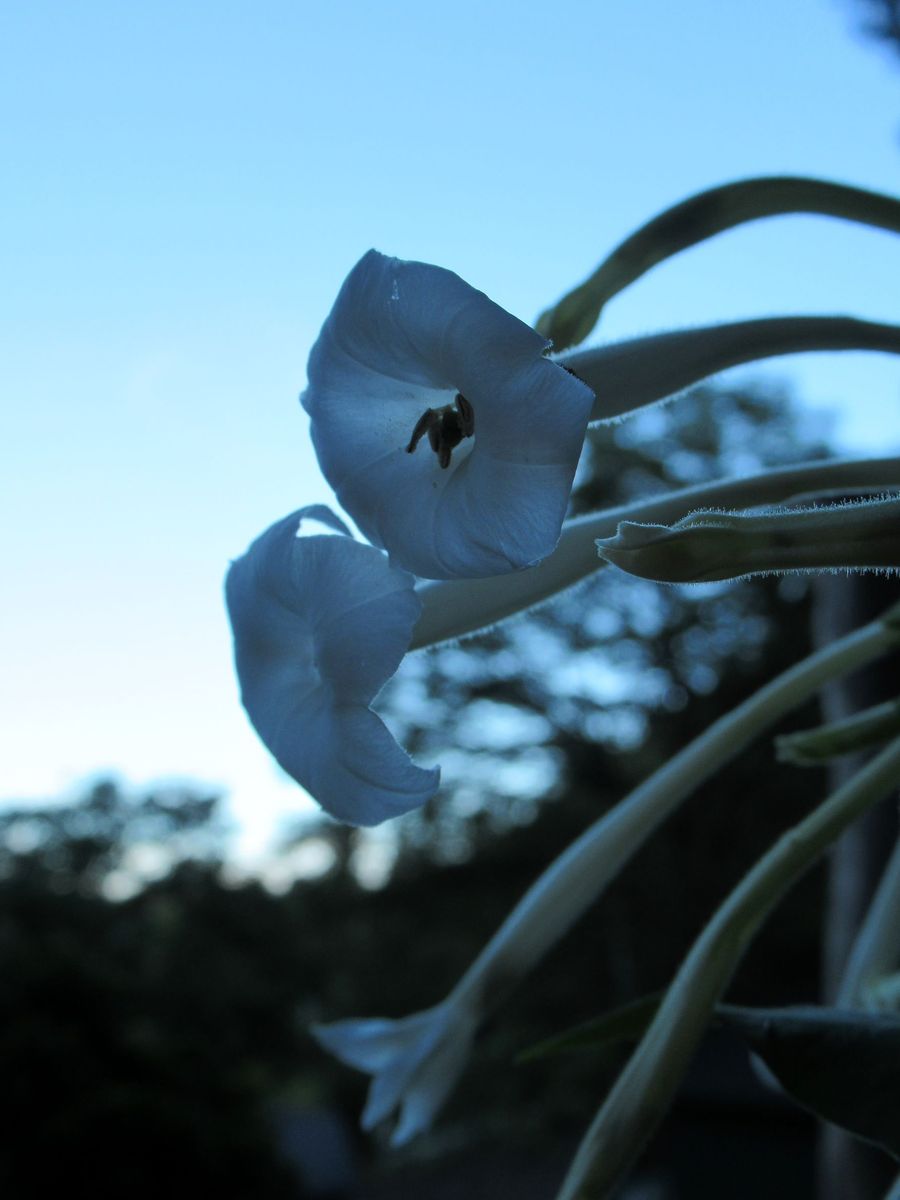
(154, 1000)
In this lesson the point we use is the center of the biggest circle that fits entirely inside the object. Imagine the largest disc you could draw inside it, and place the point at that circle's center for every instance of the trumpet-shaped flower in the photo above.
(320, 623)
(446, 433)
(415, 1061)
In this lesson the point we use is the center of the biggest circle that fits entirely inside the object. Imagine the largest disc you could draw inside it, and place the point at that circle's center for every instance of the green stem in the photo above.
(644, 1090)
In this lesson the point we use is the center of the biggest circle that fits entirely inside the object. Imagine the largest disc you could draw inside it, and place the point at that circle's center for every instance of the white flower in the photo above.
(446, 433)
(320, 623)
(415, 1061)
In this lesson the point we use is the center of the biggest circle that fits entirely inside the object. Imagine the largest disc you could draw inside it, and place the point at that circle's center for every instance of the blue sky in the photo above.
(187, 185)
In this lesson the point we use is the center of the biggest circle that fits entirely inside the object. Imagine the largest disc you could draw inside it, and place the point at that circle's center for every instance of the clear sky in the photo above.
(186, 185)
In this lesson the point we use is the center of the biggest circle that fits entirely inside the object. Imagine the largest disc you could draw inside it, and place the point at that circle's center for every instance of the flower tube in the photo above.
(702, 216)
(455, 608)
(645, 1088)
(631, 374)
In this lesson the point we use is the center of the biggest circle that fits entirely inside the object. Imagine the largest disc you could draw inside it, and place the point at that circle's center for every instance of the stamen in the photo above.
(446, 427)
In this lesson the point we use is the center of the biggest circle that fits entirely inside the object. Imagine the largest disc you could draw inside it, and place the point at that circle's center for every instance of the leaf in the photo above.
(624, 1024)
(811, 747)
(842, 1064)
(713, 545)
(695, 220)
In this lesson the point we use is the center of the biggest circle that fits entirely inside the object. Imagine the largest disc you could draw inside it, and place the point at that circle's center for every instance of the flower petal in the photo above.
(356, 769)
(320, 623)
(404, 337)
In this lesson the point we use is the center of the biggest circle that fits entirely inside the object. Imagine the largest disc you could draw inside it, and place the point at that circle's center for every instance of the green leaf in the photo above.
(625, 1024)
(843, 1064)
(698, 218)
(812, 747)
(706, 546)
